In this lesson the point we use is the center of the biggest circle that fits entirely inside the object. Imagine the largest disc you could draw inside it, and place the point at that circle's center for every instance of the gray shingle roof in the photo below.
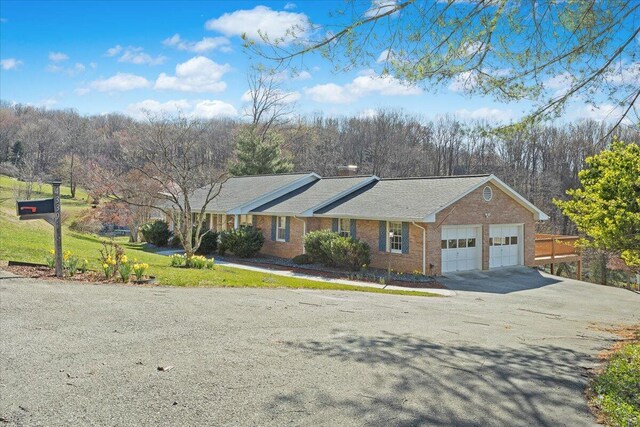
(237, 191)
(402, 199)
(311, 195)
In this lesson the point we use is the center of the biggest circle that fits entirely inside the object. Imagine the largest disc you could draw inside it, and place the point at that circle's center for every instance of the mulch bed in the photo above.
(404, 284)
(44, 272)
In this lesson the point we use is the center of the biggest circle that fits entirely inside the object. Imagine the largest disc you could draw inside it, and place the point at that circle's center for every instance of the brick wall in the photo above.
(473, 209)
(281, 249)
(470, 210)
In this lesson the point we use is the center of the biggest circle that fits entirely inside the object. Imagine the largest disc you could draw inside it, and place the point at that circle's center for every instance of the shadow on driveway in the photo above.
(402, 380)
(498, 281)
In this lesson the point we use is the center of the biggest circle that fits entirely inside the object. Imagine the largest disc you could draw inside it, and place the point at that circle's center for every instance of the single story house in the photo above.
(432, 225)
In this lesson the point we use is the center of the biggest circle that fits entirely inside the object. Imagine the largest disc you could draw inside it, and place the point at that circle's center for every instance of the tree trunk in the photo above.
(72, 184)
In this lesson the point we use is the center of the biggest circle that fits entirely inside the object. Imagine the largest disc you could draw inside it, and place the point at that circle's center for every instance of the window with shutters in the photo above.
(394, 236)
(281, 229)
(344, 227)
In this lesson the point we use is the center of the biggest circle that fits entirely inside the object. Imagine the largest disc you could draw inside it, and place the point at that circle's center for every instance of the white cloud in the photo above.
(367, 83)
(290, 6)
(625, 73)
(58, 56)
(261, 20)
(603, 112)
(368, 113)
(464, 82)
(136, 55)
(120, 82)
(199, 74)
(81, 91)
(379, 7)
(559, 84)
(10, 63)
(384, 56)
(285, 97)
(302, 75)
(204, 45)
(93, 65)
(113, 51)
(70, 71)
(208, 109)
(329, 93)
(205, 109)
(484, 113)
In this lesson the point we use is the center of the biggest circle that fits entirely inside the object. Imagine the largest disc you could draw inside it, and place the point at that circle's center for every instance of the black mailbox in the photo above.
(35, 207)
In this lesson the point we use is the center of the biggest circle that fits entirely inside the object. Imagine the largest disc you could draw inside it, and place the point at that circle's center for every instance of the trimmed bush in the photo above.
(156, 232)
(244, 242)
(302, 259)
(333, 250)
(209, 243)
(345, 252)
(314, 244)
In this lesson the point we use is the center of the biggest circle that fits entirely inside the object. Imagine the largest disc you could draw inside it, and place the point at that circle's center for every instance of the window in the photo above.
(246, 220)
(344, 227)
(395, 240)
(443, 244)
(281, 229)
(453, 244)
(514, 240)
(471, 243)
(487, 194)
(220, 223)
(462, 243)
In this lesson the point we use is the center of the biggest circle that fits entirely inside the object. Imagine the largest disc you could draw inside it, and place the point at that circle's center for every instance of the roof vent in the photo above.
(487, 194)
(349, 170)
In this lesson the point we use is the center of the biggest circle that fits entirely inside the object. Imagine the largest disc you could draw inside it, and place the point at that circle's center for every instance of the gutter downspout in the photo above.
(304, 231)
(424, 247)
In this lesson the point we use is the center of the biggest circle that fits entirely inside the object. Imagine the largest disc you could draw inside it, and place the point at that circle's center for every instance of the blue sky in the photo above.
(121, 56)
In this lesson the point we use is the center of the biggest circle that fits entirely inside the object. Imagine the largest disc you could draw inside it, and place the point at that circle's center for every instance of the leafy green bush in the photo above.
(156, 232)
(302, 259)
(332, 250)
(314, 245)
(346, 252)
(244, 242)
(209, 242)
(617, 388)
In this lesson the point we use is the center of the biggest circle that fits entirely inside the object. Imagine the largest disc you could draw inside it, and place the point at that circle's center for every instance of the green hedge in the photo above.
(333, 250)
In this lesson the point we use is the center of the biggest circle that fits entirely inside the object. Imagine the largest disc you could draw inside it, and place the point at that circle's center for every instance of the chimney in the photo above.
(349, 170)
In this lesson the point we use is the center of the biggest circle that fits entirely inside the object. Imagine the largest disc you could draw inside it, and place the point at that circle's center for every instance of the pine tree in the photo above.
(259, 154)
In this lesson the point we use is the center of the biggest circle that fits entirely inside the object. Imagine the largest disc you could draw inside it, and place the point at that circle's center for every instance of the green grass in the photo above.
(31, 241)
(617, 388)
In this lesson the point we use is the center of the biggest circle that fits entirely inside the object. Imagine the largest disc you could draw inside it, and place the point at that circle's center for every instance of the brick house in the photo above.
(433, 225)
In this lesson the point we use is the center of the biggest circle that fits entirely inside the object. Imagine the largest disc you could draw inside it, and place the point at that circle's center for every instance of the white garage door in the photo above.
(505, 245)
(461, 248)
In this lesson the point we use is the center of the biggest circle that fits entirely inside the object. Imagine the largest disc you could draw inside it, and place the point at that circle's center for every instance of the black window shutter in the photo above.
(334, 225)
(405, 237)
(274, 223)
(287, 228)
(352, 229)
(382, 236)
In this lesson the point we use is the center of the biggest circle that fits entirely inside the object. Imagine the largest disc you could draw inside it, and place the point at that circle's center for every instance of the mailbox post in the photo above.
(49, 210)
(57, 227)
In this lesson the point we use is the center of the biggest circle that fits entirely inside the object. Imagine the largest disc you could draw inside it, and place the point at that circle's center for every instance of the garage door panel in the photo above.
(460, 248)
(505, 245)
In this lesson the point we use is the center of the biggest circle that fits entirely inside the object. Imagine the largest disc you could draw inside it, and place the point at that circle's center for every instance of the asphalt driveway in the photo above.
(75, 354)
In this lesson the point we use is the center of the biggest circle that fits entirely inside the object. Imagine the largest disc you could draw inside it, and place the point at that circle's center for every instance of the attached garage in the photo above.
(461, 248)
(505, 245)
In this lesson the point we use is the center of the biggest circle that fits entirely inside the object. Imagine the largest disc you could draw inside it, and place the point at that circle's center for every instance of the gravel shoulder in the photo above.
(81, 354)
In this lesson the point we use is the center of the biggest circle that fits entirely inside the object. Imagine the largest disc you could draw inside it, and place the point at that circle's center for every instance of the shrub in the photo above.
(617, 388)
(244, 242)
(346, 252)
(209, 242)
(156, 232)
(315, 242)
(302, 259)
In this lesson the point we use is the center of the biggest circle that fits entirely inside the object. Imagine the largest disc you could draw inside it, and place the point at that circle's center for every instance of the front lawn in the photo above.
(31, 241)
